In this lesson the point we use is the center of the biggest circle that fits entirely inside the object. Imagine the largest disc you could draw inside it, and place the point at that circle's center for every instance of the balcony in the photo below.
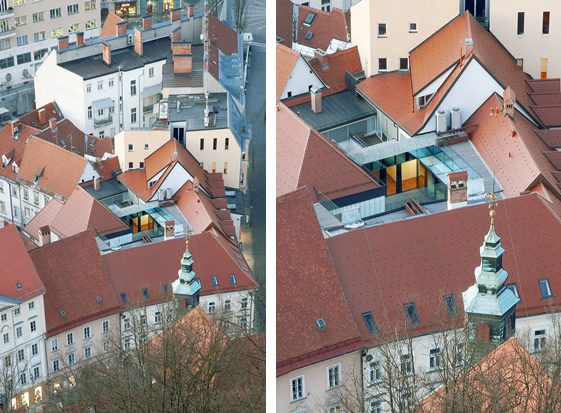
(103, 121)
(6, 34)
(6, 14)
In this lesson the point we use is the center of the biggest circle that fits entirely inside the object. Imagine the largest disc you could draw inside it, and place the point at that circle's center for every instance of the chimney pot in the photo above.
(106, 52)
(196, 185)
(62, 43)
(175, 14)
(457, 189)
(138, 45)
(169, 230)
(15, 127)
(44, 235)
(509, 100)
(190, 10)
(146, 22)
(42, 116)
(52, 124)
(96, 184)
(80, 39)
(121, 28)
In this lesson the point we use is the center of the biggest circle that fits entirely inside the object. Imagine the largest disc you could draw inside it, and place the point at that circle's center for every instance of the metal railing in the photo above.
(427, 194)
(103, 121)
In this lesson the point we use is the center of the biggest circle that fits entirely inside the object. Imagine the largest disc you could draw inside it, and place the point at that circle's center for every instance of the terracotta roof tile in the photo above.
(45, 217)
(325, 27)
(60, 170)
(284, 21)
(61, 265)
(223, 38)
(307, 288)
(32, 118)
(304, 157)
(110, 25)
(551, 137)
(331, 68)
(13, 148)
(544, 86)
(286, 60)
(106, 167)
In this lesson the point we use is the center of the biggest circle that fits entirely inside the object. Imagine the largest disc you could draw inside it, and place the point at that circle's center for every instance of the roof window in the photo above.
(320, 323)
(233, 280)
(309, 18)
(545, 288)
(450, 302)
(370, 322)
(214, 281)
(412, 315)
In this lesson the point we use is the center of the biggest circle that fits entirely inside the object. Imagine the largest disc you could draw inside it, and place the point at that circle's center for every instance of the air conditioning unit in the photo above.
(169, 193)
(161, 194)
(441, 121)
(456, 114)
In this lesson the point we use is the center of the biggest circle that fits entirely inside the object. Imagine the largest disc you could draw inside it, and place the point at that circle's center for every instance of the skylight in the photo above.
(124, 298)
(370, 322)
(412, 315)
(233, 280)
(545, 288)
(165, 288)
(214, 281)
(145, 293)
(309, 18)
(450, 302)
(320, 324)
(309, 36)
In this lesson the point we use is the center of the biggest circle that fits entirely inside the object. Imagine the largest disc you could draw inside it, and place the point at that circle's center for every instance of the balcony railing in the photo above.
(103, 121)
(4, 34)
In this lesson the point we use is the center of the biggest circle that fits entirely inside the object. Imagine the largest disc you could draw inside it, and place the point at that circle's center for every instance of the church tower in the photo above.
(490, 307)
(186, 288)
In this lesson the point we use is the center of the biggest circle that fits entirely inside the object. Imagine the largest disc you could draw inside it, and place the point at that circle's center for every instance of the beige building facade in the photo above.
(385, 31)
(134, 146)
(520, 26)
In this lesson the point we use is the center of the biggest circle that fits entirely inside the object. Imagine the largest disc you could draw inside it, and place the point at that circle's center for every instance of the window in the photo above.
(70, 338)
(232, 278)
(545, 22)
(514, 289)
(5, 44)
(145, 146)
(403, 63)
(520, 25)
(126, 324)
(133, 115)
(73, 9)
(412, 27)
(309, 19)
(36, 373)
(406, 364)
(214, 281)
(31, 305)
(23, 378)
(4, 317)
(545, 288)
(450, 303)
(34, 349)
(19, 332)
(127, 343)
(33, 326)
(54, 344)
(21, 40)
(382, 64)
(7, 62)
(55, 13)
(6, 337)
(143, 319)
(227, 305)
(16, 311)
(90, 112)
(244, 303)
(100, 85)
(39, 37)
(202, 144)
(131, 147)
(21, 355)
(87, 332)
(105, 326)
(38, 17)
(91, 25)
(211, 307)
(226, 143)
(133, 87)
(73, 28)
(434, 359)
(141, 165)
(71, 359)
(87, 352)
(412, 315)
(89, 90)
(335, 409)
(111, 82)
(20, 21)
(374, 372)
(370, 322)
(424, 100)
(214, 144)
(2, 207)
(376, 406)
(297, 388)
(19, 2)
(130, 165)
(539, 340)
(90, 5)
(56, 365)
(56, 32)
(333, 376)
(157, 317)
(151, 72)
(382, 30)
(225, 168)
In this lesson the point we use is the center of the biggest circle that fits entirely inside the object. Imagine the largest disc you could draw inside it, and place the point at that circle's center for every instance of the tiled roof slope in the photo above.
(286, 60)
(74, 276)
(375, 277)
(325, 27)
(60, 170)
(223, 38)
(17, 267)
(284, 21)
(13, 146)
(308, 290)
(110, 25)
(152, 265)
(304, 157)
(331, 68)
(32, 118)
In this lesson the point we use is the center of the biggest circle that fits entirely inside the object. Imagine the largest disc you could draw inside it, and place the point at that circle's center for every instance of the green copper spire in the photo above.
(186, 287)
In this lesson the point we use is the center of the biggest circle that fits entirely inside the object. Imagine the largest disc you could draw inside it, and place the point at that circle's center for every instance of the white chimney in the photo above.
(315, 96)
(96, 184)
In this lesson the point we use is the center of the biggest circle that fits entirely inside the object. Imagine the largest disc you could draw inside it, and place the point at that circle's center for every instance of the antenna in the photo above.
(205, 59)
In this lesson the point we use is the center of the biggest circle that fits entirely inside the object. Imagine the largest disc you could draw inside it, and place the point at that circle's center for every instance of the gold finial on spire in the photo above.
(492, 204)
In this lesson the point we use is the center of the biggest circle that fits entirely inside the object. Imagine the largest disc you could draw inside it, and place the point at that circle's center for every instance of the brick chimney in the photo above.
(181, 48)
(52, 124)
(14, 125)
(182, 64)
(138, 45)
(106, 52)
(169, 230)
(509, 100)
(190, 10)
(96, 184)
(320, 56)
(315, 95)
(146, 22)
(175, 14)
(196, 185)
(175, 36)
(457, 189)
(62, 43)
(80, 39)
(121, 28)
(44, 236)
(42, 115)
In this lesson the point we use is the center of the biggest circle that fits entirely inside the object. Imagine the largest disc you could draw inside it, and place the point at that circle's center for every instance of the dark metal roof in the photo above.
(107, 189)
(125, 59)
(337, 110)
(193, 79)
(192, 110)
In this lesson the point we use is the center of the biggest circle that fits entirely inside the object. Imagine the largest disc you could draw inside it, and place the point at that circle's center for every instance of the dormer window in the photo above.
(423, 101)
(15, 168)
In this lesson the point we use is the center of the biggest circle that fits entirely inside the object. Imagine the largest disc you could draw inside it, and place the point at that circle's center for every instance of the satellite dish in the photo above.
(8, 77)
(25, 73)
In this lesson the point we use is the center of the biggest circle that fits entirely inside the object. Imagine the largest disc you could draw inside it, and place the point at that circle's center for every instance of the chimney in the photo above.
(106, 52)
(175, 14)
(169, 230)
(42, 115)
(44, 236)
(315, 94)
(457, 189)
(62, 43)
(122, 28)
(138, 45)
(96, 184)
(196, 185)
(80, 39)
(52, 124)
(146, 22)
(190, 10)
(321, 56)
(15, 127)
(175, 36)
(182, 64)
(509, 100)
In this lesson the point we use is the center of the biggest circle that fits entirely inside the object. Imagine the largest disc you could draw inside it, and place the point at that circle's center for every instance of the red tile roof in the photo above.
(223, 38)
(74, 276)
(307, 290)
(12, 148)
(284, 21)
(325, 27)
(32, 118)
(304, 157)
(110, 25)
(20, 280)
(152, 265)
(375, 277)
(105, 168)
(331, 68)
(286, 60)
(59, 170)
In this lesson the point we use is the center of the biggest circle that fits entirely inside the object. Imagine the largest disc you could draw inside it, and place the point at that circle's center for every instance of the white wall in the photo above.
(174, 180)
(301, 78)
